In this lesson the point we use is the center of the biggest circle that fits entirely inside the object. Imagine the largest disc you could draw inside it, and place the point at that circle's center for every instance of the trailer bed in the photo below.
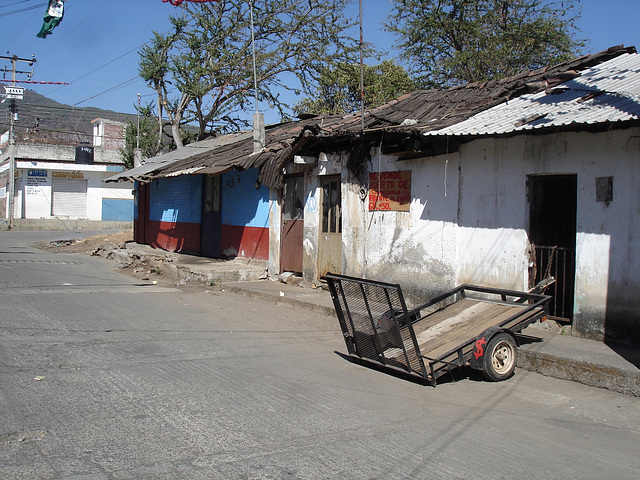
(458, 322)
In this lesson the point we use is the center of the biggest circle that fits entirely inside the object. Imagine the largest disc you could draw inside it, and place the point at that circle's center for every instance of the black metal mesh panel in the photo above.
(373, 318)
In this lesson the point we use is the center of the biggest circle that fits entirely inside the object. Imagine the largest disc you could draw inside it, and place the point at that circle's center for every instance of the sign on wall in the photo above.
(36, 179)
(390, 191)
(67, 175)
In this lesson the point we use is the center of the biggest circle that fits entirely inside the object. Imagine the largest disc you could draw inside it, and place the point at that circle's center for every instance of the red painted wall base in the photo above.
(245, 242)
(174, 237)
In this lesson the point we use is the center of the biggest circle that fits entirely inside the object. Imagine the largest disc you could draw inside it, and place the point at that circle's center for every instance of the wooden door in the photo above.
(292, 227)
(211, 217)
(330, 241)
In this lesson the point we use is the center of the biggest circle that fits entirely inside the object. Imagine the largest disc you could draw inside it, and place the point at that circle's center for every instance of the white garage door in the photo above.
(69, 197)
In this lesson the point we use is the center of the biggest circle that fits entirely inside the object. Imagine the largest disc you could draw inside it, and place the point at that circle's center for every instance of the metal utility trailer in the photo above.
(469, 325)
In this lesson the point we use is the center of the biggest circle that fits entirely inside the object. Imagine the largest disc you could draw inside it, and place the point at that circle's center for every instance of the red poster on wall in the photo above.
(390, 191)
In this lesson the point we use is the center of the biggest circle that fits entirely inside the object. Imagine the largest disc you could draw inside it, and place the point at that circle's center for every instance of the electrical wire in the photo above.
(100, 67)
(114, 88)
(68, 32)
(126, 82)
(72, 132)
(15, 3)
(21, 10)
(27, 22)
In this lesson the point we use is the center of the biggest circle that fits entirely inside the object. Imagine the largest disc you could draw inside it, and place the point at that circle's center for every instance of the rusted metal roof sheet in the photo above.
(176, 160)
(609, 92)
(426, 110)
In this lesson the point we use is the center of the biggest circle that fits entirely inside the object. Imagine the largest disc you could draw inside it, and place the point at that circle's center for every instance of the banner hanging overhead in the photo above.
(52, 17)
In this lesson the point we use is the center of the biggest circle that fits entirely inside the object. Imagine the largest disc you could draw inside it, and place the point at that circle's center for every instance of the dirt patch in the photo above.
(107, 246)
(89, 245)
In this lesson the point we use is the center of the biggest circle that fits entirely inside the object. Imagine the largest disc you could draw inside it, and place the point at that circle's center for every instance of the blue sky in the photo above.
(94, 48)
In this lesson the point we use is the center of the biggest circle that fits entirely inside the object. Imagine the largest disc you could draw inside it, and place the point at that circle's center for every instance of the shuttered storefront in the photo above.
(69, 197)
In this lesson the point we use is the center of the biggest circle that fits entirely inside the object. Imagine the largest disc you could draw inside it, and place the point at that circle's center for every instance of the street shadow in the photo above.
(452, 376)
(524, 339)
(629, 353)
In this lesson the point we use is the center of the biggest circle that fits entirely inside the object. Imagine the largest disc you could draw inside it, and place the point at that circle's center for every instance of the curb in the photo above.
(328, 311)
(588, 373)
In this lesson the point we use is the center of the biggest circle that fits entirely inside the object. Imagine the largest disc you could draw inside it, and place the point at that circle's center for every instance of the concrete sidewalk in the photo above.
(614, 367)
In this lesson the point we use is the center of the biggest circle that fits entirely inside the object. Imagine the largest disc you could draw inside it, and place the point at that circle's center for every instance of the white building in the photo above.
(544, 184)
(66, 181)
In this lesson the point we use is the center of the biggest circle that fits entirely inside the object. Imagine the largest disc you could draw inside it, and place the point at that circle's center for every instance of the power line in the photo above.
(29, 106)
(26, 9)
(27, 22)
(75, 132)
(15, 3)
(68, 31)
(108, 90)
(38, 83)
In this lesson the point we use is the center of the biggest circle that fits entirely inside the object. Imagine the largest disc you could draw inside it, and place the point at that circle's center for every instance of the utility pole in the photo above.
(361, 71)
(259, 135)
(14, 93)
(137, 153)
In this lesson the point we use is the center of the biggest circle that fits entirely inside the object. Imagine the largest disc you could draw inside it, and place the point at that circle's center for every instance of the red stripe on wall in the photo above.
(174, 237)
(245, 242)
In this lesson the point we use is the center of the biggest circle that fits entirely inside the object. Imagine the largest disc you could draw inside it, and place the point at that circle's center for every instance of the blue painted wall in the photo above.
(176, 199)
(242, 204)
(117, 210)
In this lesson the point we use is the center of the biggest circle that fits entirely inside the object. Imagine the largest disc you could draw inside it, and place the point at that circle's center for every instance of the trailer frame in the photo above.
(446, 332)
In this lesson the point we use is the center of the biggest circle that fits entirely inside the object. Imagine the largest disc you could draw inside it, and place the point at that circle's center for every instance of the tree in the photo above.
(449, 42)
(339, 88)
(203, 69)
(148, 139)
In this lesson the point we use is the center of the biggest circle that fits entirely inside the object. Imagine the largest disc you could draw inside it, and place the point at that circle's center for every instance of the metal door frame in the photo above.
(553, 240)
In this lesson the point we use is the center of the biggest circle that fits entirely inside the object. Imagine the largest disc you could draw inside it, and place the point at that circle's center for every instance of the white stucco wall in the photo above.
(418, 248)
(607, 283)
(34, 193)
(469, 218)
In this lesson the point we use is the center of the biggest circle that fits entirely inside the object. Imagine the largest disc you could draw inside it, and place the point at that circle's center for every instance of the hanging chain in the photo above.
(550, 263)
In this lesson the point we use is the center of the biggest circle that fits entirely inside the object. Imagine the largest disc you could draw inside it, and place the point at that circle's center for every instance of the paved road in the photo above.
(106, 377)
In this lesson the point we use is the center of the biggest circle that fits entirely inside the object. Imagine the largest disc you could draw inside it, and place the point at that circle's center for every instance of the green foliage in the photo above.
(449, 42)
(203, 69)
(148, 139)
(339, 88)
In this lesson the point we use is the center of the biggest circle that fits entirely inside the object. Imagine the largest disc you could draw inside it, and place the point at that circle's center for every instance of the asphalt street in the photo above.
(103, 376)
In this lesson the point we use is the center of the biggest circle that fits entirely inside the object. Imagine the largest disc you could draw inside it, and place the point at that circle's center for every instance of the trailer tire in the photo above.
(500, 358)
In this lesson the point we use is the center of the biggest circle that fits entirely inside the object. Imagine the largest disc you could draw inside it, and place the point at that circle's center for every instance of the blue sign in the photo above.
(37, 173)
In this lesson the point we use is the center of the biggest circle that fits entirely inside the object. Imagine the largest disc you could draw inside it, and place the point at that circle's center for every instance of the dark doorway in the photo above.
(552, 231)
(292, 224)
(141, 222)
(211, 217)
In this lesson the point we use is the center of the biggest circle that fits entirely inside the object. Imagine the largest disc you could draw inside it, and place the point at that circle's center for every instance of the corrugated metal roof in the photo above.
(155, 166)
(439, 111)
(609, 92)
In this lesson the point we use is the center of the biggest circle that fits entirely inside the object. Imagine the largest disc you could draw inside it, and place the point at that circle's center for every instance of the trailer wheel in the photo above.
(500, 358)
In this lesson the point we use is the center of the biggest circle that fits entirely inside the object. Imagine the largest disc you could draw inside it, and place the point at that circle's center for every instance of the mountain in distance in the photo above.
(42, 120)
